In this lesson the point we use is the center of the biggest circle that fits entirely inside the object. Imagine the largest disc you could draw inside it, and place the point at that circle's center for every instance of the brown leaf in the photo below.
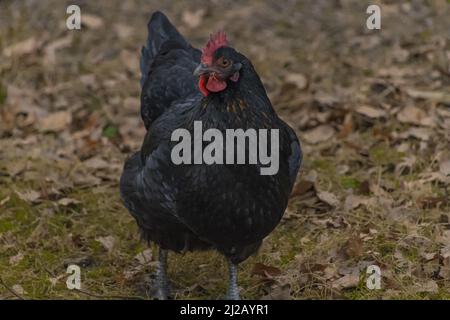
(123, 31)
(301, 188)
(297, 79)
(68, 201)
(371, 112)
(414, 115)
(347, 126)
(31, 196)
(91, 21)
(107, 242)
(418, 133)
(346, 282)
(438, 96)
(131, 104)
(145, 256)
(130, 61)
(279, 292)
(265, 271)
(56, 122)
(428, 287)
(17, 288)
(193, 18)
(353, 201)
(319, 134)
(27, 46)
(328, 198)
(353, 248)
(428, 256)
(444, 167)
(96, 163)
(432, 202)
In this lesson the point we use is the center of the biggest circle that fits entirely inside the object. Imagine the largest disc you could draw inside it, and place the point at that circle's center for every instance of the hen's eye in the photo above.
(224, 62)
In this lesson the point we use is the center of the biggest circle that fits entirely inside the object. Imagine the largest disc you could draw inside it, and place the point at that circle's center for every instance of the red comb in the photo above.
(215, 42)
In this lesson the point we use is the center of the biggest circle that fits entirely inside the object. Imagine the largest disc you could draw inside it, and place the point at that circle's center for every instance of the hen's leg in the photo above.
(233, 291)
(161, 282)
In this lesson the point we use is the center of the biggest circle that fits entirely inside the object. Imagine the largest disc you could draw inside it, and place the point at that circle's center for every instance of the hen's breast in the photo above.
(232, 205)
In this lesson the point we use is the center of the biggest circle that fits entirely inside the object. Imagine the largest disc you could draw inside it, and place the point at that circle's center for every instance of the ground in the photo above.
(371, 108)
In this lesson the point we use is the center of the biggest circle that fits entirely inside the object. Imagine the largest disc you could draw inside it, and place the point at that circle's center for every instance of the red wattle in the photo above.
(215, 85)
(202, 85)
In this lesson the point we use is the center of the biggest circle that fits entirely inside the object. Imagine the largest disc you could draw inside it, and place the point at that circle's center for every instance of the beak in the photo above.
(202, 69)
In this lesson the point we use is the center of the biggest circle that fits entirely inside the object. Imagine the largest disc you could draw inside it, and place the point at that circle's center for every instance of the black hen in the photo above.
(228, 207)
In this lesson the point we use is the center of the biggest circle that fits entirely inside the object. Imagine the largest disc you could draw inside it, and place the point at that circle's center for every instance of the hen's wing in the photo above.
(167, 64)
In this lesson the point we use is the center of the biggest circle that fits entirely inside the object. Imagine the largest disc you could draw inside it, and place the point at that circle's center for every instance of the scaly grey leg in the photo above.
(233, 291)
(161, 281)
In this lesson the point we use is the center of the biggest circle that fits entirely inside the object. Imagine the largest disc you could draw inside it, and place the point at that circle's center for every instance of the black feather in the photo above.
(167, 64)
(188, 207)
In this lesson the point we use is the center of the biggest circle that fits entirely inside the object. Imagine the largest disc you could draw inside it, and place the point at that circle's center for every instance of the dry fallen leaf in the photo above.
(279, 292)
(414, 115)
(297, 79)
(21, 48)
(371, 112)
(444, 167)
(123, 31)
(17, 288)
(91, 21)
(131, 104)
(429, 95)
(193, 18)
(353, 201)
(346, 282)
(428, 287)
(68, 201)
(145, 256)
(418, 133)
(353, 248)
(130, 61)
(31, 196)
(96, 163)
(328, 198)
(432, 202)
(265, 271)
(107, 242)
(319, 134)
(302, 187)
(56, 122)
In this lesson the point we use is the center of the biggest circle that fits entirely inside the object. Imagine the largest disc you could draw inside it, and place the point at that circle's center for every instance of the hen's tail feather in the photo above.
(160, 30)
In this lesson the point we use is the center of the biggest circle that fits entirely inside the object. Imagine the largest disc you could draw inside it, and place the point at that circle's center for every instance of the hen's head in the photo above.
(219, 65)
